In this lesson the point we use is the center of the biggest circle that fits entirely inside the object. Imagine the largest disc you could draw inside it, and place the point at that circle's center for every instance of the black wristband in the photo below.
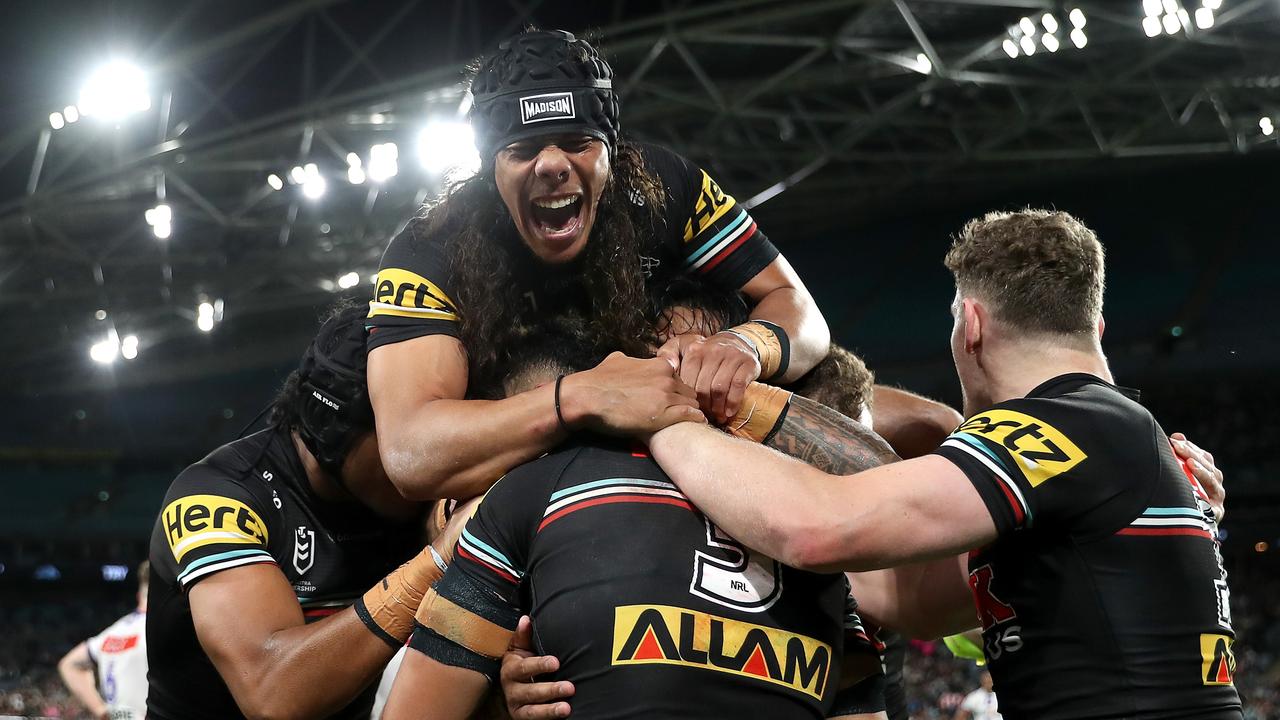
(559, 416)
(362, 612)
(784, 344)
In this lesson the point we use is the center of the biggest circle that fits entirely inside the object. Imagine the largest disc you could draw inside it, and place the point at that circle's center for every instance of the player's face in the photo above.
(552, 187)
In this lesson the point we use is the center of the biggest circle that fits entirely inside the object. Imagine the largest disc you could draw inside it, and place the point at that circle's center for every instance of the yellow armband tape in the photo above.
(387, 609)
(770, 345)
(763, 409)
(463, 627)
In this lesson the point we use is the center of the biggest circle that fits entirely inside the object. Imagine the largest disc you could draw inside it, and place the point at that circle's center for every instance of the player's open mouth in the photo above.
(557, 217)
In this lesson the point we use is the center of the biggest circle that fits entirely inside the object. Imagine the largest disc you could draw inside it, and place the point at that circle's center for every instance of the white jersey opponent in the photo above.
(120, 652)
(981, 705)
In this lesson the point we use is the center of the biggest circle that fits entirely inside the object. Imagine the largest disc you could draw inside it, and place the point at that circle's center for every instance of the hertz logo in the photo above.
(198, 520)
(402, 293)
(1219, 661)
(665, 635)
(1041, 450)
(712, 204)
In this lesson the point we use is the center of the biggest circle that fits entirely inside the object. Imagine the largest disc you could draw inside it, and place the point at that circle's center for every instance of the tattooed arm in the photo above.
(823, 438)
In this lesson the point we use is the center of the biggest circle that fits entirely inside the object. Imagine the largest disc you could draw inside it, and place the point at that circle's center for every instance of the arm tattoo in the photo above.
(829, 441)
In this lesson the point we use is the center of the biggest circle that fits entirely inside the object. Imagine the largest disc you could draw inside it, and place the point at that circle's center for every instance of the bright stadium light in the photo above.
(1170, 6)
(1266, 126)
(129, 347)
(445, 145)
(1079, 39)
(106, 351)
(383, 161)
(1077, 18)
(1028, 45)
(313, 183)
(1151, 25)
(56, 121)
(355, 171)
(1050, 42)
(71, 113)
(1204, 18)
(114, 90)
(922, 64)
(160, 218)
(353, 159)
(204, 316)
(1213, 4)
(297, 175)
(1010, 48)
(1050, 23)
(1027, 27)
(1151, 8)
(1171, 24)
(275, 182)
(349, 280)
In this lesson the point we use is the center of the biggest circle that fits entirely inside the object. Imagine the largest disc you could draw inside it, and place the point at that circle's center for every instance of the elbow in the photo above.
(415, 481)
(809, 542)
(268, 704)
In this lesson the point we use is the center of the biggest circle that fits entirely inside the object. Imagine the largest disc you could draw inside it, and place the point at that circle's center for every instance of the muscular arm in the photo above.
(824, 439)
(426, 689)
(251, 626)
(76, 669)
(781, 298)
(434, 444)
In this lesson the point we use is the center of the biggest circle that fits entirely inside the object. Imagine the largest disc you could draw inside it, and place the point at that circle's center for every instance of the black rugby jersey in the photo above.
(703, 232)
(249, 502)
(1104, 595)
(651, 609)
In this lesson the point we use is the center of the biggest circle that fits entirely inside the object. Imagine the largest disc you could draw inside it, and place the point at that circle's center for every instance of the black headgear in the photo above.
(334, 405)
(542, 82)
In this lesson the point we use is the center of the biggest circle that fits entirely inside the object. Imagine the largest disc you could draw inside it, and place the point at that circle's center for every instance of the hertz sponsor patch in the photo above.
(1219, 660)
(402, 293)
(198, 520)
(712, 204)
(665, 635)
(1041, 451)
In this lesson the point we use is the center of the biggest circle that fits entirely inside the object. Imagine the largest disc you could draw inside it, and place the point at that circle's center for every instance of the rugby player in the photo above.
(564, 215)
(268, 597)
(119, 657)
(1094, 568)
(655, 612)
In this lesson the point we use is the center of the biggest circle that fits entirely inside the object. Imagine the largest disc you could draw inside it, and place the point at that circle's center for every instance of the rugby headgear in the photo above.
(334, 404)
(542, 82)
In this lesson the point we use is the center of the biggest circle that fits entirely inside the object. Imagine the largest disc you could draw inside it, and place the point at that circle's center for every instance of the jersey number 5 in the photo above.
(733, 575)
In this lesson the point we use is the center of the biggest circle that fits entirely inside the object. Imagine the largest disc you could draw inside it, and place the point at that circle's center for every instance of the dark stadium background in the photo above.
(1158, 143)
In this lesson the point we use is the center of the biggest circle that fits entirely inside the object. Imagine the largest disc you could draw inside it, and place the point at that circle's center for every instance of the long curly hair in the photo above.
(485, 250)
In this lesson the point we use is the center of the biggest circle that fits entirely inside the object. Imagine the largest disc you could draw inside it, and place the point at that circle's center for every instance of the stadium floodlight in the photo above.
(1010, 48)
(1171, 24)
(275, 182)
(1204, 18)
(1050, 23)
(1028, 45)
(129, 347)
(1077, 18)
(1151, 25)
(114, 90)
(1079, 39)
(160, 218)
(353, 159)
(922, 64)
(448, 145)
(1170, 6)
(1184, 18)
(355, 175)
(71, 113)
(1027, 27)
(106, 351)
(313, 183)
(56, 121)
(1267, 127)
(297, 175)
(1151, 8)
(349, 280)
(1212, 4)
(383, 161)
(1050, 42)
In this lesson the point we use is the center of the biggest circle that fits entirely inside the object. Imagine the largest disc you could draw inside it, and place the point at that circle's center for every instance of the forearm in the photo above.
(794, 310)
(459, 448)
(77, 673)
(833, 443)
(924, 600)
(310, 671)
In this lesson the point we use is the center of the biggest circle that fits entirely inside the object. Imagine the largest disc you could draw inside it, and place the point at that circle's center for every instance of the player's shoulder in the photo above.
(226, 471)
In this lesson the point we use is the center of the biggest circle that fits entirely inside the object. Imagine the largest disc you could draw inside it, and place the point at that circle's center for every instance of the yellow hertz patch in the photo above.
(1041, 450)
(711, 206)
(1219, 666)
(665, 635)
(199, 520)
(402, 293)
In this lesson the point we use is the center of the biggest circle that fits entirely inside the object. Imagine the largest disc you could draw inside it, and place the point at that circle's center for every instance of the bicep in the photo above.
(404, 375)
(777, 274)
(426, 688)
(235, 613)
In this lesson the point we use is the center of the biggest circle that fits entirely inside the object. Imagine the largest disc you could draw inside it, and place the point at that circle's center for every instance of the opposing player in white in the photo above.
(119, 691)
(979, 704)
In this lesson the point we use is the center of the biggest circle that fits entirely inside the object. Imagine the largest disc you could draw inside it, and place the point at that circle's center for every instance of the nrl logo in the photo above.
(548, 106)
(304, 549)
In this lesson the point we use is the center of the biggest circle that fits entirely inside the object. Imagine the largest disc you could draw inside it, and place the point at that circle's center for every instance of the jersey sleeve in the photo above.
(1026, 456)
(719, 242)
(411, 294)
(471, 613)
(211, 523)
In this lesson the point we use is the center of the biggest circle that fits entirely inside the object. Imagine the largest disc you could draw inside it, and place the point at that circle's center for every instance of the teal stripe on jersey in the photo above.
(975, 442)
(229, 555)
(1175, 511)
(742, 217)
(496, 555)
(606, 482)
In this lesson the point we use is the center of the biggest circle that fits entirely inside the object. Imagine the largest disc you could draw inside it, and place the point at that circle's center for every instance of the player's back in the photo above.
(1104, 595)
(652, 611)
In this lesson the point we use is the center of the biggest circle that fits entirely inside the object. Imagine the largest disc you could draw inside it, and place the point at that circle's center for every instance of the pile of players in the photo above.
(693, 504)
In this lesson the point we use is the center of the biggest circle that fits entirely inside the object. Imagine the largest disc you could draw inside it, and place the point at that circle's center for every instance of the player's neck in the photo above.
(325, 487)
(1016, 370)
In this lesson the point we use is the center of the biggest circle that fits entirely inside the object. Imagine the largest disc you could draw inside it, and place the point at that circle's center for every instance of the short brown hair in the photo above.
(1042, 270)
(841, 381)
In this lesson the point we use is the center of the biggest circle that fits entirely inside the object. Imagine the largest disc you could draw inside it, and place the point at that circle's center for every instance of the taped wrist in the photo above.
(461, 623)
(387, 609)
(771, 345)
(763, 410)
